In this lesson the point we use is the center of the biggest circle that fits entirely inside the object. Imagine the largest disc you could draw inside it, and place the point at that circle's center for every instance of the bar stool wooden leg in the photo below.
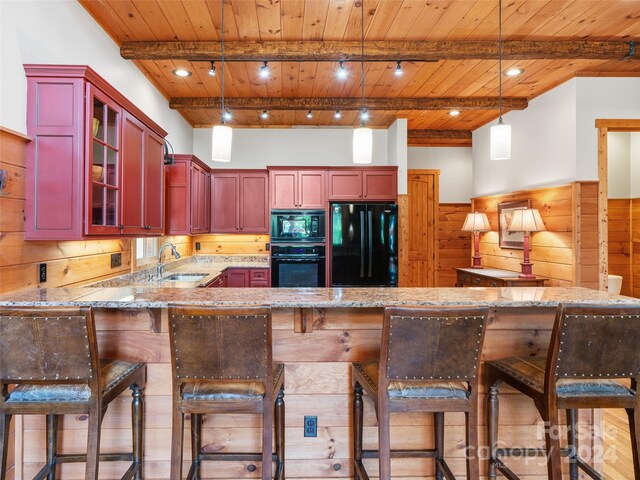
(5, 420)
(93, 443)
(573, 444)
(52, 444)
(137, 427)
(552, 440)
(267, 438)
(384, 443)
(196, 446)
(279, 424)
(177, 437)
(634, 427)
(471, 417)
(493, 412)
(438, 425)
(357, 429)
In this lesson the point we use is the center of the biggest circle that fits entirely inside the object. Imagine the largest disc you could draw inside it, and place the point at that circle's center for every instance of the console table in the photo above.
(494, 277)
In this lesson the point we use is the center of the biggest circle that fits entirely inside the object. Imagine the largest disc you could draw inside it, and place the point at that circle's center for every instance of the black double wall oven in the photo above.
(298, 248)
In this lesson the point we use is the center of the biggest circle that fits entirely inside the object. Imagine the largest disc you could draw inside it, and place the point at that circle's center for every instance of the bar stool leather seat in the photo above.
(531, 372)
(112, 376)
(237, 390)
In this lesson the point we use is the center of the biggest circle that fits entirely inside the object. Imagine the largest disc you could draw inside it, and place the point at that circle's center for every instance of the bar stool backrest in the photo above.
(595, 341)
(48, 345)
(432, 344)
(220, 343)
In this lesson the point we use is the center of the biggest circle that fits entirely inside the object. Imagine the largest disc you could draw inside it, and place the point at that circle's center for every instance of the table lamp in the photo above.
(526, 220)
(476, 223)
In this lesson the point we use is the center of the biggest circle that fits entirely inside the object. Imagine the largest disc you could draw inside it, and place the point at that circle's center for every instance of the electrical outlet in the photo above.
(197, 246)
(42, 273)
(310, 426)
(116, 260)
(267, 246)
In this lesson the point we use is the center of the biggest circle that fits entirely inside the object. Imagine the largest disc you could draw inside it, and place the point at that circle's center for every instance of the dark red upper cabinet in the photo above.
(188, 189)
(363, 184)
(239, 201)
(95, 162)
(297, 188)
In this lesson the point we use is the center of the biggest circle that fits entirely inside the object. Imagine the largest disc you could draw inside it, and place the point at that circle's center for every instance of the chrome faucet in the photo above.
(160, 267)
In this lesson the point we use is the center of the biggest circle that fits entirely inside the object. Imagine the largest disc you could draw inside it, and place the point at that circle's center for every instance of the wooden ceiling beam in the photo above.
(378, 51)
(438, 135)
(338, 103)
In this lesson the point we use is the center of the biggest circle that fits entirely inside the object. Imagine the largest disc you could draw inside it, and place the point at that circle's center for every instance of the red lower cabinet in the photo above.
(242, 277)
(238, 277)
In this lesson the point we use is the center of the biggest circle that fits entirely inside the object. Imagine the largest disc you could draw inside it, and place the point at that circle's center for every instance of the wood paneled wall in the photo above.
(68, 263)
(635, 246)
(454, 245)
(619, 244)
(567, 252)
(231, 244)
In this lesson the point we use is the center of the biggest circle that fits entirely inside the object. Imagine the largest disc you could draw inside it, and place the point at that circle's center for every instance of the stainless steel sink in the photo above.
(184, 277)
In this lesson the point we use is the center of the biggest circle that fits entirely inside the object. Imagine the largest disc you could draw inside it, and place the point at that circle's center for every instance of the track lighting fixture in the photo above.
(337, 115)
(264, 115)
(212, 70)
(364, 115)
(398, 71)
(227, 114)
(264, 70)
(342, 71)
(309, 114)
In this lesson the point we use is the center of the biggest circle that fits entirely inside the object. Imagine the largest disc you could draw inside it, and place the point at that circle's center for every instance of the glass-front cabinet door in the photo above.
(104, 152)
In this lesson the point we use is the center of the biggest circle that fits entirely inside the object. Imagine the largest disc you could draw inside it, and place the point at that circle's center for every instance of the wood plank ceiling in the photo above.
(385, 20)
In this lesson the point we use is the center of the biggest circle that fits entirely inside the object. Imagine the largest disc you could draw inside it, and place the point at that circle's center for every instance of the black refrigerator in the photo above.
(364, 244)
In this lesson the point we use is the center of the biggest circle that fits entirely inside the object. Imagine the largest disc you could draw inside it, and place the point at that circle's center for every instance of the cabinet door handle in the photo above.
(121, 227)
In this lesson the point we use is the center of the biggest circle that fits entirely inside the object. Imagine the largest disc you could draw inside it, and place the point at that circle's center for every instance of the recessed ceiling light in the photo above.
(398, 71)
(337, 115)
(342, 71)
(514, 72)
(181, 72)
(264, 115)
(454, 113)
(309, 114)
(264, 70)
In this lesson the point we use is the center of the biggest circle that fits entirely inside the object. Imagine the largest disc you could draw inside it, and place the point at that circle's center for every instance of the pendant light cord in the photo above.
(223, 109)
(362, 63)
(500, 54)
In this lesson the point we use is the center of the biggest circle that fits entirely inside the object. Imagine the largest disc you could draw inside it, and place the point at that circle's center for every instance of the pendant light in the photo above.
(363, 136)
(500, 133)
(222, 134)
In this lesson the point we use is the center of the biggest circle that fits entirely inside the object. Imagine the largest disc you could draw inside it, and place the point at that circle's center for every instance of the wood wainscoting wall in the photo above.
(567, 253)
(454, 245)
(635, 246)
(68, 262)
(417, 230)
(622, 256)
(231, 244)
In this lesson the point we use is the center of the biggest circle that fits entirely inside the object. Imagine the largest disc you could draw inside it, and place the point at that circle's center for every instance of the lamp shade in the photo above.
(526, 220)
(501, 142)
(221, 143)
(362, 145)
(476, 222)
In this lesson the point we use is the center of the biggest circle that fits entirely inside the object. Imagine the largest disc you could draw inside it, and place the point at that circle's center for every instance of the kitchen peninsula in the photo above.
(316, 333)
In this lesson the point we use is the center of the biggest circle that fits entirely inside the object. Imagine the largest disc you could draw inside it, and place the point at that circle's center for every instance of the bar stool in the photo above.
(51, 356)
(222, 363)
(429, 362)
(591, 346)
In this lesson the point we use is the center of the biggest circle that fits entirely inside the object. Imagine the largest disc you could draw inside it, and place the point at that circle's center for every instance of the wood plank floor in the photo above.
(619, 464)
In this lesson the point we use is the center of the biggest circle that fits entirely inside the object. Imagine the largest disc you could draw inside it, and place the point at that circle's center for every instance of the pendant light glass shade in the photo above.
(501, 141)
(362, 145)
(221, 144)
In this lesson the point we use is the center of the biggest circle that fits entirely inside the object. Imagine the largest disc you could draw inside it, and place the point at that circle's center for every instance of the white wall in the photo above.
(601, 97)
(543, 146)
(397, 151)
(634, 158)
(456, 170)
(62, 32)
(619, 165)
(262, 147)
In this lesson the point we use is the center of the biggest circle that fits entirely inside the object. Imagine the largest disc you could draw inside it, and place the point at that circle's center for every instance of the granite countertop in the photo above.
(208, 265)
(149, 297)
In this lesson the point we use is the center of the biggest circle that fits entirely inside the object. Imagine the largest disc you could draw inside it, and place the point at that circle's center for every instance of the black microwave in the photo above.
(297, 226)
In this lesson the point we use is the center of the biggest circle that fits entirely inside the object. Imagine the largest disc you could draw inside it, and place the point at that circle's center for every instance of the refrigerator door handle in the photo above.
(361, 244)
(370, 228)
